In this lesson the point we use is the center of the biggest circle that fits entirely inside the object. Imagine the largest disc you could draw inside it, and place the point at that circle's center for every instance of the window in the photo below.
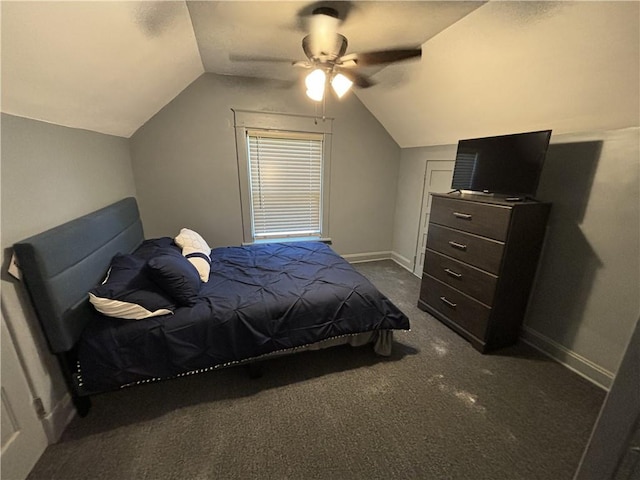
(283, 162)
(285, 184)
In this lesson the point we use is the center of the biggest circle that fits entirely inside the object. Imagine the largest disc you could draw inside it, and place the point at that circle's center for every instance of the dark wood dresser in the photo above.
(480, 261)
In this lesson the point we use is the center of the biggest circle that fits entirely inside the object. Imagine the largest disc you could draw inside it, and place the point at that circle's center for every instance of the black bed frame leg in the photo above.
(82, 404)
(255, 370)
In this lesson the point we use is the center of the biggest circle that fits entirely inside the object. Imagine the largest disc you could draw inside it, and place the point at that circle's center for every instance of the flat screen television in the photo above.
(505, 164)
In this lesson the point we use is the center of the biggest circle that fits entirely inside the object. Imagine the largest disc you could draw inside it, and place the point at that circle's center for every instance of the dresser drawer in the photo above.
(457, 307)
(483, 219)
(472, 281)
(480, 252)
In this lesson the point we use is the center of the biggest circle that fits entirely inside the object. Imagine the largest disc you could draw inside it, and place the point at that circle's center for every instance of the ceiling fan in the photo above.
(325, 49)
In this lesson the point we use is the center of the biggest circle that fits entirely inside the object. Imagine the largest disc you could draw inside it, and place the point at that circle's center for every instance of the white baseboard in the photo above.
(402, 261)
(584, 367)
(367, 257)
(57, 420)
(376, 256)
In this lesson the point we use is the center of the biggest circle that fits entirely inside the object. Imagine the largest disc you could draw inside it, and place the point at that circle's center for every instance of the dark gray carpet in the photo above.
(437, 409)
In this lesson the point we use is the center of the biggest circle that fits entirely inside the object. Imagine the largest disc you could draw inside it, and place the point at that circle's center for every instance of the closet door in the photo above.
(437, 179)
(23, 437)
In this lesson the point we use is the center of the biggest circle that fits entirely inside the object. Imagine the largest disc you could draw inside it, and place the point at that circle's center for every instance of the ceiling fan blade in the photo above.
(348, 63)
(358, 79)
(381, 57)
(302, 64)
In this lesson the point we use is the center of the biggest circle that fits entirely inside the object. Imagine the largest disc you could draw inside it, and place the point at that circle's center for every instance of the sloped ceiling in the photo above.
(486, 68)
(110, 66)
(101, 66)
(517, 66)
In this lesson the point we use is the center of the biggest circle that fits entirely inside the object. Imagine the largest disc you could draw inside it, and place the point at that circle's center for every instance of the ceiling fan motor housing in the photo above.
(328, 11)
(325, 49)
(329, 51)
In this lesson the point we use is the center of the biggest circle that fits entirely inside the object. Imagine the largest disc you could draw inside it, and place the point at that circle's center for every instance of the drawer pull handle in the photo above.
(464, 216)
(459, 246)
(452, 273)
(447, 302)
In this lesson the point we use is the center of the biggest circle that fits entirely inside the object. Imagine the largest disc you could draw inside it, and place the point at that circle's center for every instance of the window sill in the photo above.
(288, 239)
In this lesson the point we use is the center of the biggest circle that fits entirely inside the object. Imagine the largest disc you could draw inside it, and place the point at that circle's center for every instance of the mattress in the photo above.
(259, 300)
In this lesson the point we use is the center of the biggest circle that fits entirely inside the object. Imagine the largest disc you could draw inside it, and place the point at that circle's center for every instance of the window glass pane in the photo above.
(286, 184)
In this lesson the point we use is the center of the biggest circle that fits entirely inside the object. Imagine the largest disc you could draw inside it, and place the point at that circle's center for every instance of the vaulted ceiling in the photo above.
(109, 66)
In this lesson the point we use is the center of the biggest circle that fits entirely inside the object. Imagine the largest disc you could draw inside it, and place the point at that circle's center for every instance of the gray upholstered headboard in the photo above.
(60, 265)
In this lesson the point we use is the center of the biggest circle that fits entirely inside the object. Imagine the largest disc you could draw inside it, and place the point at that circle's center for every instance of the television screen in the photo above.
(506, 164)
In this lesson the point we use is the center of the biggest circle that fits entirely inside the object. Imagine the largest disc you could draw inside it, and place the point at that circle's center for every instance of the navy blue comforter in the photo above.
(259, 299)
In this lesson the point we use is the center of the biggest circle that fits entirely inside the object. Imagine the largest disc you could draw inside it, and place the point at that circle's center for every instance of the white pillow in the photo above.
(197, 251)
(127, 310)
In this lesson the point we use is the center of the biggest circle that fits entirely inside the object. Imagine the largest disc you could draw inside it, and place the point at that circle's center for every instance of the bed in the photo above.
(258, 301)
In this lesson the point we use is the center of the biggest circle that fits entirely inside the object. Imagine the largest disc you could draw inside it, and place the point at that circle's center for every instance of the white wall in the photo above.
(50, 174)
(186, 172)
(586, 298)
(406, 225)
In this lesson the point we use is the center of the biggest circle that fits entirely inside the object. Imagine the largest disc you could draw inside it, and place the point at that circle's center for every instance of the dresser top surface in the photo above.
(488, 198)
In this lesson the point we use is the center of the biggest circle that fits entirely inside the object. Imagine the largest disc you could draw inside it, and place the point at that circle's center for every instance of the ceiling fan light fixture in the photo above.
(340, 84)
(315, 82)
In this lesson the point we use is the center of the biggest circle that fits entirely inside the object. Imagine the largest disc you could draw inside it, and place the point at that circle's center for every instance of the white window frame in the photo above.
(245, 121)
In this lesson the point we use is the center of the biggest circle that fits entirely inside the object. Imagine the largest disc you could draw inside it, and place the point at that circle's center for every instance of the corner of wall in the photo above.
(597, 375)
(61, 415)
(366, 257)
(403, 261)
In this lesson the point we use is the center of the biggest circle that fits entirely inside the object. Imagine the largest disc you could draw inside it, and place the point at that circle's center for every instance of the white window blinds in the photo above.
(285, 172)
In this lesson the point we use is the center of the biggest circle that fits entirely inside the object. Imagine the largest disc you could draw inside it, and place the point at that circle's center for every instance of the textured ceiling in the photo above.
(486, 68)
(517, 66)
(101, 66)
(261, 39)
(110, 66)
